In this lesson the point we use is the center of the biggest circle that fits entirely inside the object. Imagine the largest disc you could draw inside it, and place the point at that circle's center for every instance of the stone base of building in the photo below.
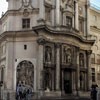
(52, 93)
(8, 95)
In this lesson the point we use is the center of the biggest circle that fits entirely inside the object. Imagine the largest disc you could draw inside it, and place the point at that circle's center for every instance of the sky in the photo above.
(3, 5)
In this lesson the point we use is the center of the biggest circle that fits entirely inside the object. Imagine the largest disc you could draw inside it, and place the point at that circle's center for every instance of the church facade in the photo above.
(44, 44)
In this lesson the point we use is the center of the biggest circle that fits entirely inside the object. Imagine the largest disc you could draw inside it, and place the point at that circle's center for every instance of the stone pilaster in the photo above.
(41, 11)
(58, 67)
(76, 15)
(88, 17)
(57, 12)
(77, 73)
(89, 78)
(40, 63)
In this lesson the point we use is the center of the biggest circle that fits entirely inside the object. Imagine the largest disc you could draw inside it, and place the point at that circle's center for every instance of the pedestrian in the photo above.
(94, 93)
(29, 94)
(19, 92)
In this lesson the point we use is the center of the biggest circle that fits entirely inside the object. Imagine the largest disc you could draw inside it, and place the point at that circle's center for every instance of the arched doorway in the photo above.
(25, 73)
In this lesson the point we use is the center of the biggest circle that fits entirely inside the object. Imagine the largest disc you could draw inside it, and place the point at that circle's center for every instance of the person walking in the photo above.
(94, 93)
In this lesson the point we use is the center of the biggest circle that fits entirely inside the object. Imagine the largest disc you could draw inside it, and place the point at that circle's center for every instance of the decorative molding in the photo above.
(41, 41)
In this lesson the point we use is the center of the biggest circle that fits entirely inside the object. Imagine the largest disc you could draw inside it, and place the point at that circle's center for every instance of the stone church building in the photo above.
(44, 44)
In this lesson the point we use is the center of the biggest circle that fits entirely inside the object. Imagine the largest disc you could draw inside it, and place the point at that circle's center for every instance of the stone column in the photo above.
(57, 12)
(40, 64)
(76, 16)
(53, 13)
(58, 67)
(89, 78)
(77, 73)
(88, 17)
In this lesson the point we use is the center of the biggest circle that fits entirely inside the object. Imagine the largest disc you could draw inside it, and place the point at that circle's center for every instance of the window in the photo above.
(68, 21)
(48, 14)
(2, 74)
(98, 76)
(93, 74)
(25, 47)
(93, 58)
(81, 25)
(26, 23)
(98, 59)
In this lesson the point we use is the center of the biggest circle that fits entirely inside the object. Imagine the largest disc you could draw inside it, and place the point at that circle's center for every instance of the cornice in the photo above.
(94, 28)
(70, 33)
(17, 12)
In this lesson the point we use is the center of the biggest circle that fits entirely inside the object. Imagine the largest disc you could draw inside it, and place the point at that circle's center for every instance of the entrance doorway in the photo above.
(67, 82)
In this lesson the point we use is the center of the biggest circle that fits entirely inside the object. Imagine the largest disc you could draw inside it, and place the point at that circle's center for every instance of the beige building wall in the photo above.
(95, 32)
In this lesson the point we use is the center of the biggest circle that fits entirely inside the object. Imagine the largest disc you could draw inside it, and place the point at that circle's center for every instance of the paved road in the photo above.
(65, 98)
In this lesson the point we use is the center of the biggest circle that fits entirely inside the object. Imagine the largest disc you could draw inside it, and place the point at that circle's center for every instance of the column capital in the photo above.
(89, 52)
(41, 41)
(57, 45)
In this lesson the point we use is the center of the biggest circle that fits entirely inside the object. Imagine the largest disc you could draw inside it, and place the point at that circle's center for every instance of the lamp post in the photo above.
(1, 82)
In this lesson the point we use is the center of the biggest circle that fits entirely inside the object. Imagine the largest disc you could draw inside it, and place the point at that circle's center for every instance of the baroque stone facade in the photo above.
(44, 45)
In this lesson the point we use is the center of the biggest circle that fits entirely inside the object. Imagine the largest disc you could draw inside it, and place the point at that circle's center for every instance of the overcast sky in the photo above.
(3, 5)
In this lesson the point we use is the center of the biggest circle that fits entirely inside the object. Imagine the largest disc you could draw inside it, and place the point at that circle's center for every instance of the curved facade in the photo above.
(46, 42)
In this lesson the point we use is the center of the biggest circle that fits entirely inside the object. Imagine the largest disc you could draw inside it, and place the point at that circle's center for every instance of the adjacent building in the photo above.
(44, 44)
(94, 23)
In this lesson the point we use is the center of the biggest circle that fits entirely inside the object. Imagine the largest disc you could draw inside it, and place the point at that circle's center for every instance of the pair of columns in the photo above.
(88, 65)
(40, 65)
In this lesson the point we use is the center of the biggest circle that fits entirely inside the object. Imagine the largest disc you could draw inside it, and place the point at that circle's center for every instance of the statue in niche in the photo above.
(48, 54)
(67, 55)
(81, 60)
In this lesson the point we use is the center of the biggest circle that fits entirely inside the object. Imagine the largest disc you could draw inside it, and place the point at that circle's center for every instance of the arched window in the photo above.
(81, 60)
(25, 73)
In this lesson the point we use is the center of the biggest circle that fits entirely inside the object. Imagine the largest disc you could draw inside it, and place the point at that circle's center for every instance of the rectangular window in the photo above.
(25, 47)
(47, 14)
(81, 25)
(93, 58)
(26, 23)
(98, 76)
(2, 74)
(98, 59)
(93, 74)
